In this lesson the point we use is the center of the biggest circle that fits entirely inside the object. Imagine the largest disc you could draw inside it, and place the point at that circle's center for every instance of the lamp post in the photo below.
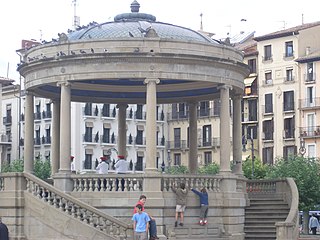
(244, 143)
(302, 149)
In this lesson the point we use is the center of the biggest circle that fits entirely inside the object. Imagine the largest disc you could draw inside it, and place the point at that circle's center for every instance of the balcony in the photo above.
(140, 141)
(178, 144)
(267, 59)
(46, 140)
(7, 120)
(140, 115)
(309, 78)
(201, 113)
(87, 138)
(37, 141)
(267, 136)
(309, 104)
(204, 143)
(310, 132)
(5, 139)
(288, 134)
(47, 114)
(37, 116)
(267, 109)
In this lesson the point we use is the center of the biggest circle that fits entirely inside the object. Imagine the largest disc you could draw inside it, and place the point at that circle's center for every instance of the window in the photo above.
(204, 108)
(268, 129)
(182, 110)
(106, 110)
(139, 163)
(268, 77)
(252, 132)
(267, 53)
(289, 151)
(289, 75)
(310, 96)
(106, 135)
(252, 105)
(177, 137)
(311, 150)
(174, 111)
(139, 138)
(177, 159)
(37, 135)
(289, 127)
(88, 109)
(207, 158)
(206, 135)
(139, 111)
(216, 107)
(88, 134)
(88, 161)
(288, 101)
(310, 72)
(267, 155)
(268, 108)
(252, 65)
(289, 49)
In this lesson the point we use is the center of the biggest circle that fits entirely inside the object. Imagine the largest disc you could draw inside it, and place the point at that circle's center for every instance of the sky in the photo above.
(44, 19)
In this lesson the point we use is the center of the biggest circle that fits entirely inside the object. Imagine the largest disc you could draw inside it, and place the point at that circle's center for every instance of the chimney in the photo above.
(307, 51)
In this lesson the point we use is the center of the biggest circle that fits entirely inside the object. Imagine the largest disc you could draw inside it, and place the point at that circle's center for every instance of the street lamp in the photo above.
(302, 149)
(244, 143)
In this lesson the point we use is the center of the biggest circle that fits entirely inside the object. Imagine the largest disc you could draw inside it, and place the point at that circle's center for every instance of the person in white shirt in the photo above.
(121, 165)
(121, 168)
(72, 166)
(103, 166)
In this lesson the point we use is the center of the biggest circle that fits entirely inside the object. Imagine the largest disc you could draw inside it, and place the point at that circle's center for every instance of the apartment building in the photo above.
(309, 101)
(281, 84)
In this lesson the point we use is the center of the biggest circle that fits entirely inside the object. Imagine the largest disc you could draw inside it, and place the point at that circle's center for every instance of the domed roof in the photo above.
(136, 25)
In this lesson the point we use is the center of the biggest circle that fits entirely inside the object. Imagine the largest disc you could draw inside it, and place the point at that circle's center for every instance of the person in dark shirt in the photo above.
(4, 233)
(204, 205)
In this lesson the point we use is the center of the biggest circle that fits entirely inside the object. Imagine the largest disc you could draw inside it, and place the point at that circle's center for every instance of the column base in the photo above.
(63, 181)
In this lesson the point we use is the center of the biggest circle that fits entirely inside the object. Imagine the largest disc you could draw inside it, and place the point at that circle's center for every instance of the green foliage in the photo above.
(306, 173)
(177, 170)
(212, 168)
(15, 166)
(42, 168)
(260, 170)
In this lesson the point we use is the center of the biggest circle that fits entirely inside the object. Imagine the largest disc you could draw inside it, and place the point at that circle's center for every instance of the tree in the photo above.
(260, 170)
(42, 168)
(306, 174)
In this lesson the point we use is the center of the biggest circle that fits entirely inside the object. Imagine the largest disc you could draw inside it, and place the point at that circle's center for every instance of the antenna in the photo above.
(76, 19)
(201, 26)
(302, 19)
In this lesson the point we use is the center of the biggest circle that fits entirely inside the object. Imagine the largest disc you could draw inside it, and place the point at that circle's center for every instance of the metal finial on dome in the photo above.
(135, 6)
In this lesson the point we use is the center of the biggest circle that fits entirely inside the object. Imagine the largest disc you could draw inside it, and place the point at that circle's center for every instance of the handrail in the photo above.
(76, 208)
(289, 228)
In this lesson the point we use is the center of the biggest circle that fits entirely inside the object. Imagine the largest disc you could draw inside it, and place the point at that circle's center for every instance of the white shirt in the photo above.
(73, 168)
(121, 166)
(102, 168)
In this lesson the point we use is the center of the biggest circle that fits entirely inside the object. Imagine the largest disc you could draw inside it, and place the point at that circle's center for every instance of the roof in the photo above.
(287, 32)
(311, 57)
(136, 25)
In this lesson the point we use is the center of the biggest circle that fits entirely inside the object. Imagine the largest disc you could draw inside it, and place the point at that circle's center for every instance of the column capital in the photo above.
(122, 105)
(63, 83)
(225, 87)
(152, 80)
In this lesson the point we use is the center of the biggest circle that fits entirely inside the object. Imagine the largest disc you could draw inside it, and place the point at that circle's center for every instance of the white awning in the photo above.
(89, 124)
(249, 80)
(106, 125)
(140, 154)
(89, 151)
(140, 127)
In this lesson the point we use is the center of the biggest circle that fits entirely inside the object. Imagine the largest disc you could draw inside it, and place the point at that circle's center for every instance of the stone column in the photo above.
(225, 129)
(55, 142)
(65, 127)
(62, 179)
(29, 133)
(122, 129)
(151, 124)
(193, 138)
(236, 135)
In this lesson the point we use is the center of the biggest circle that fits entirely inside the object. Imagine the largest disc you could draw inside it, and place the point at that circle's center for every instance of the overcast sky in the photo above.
(44, 19)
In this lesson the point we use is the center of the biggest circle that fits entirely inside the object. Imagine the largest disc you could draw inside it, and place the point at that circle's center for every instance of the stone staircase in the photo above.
(197, 232)
(261, 216)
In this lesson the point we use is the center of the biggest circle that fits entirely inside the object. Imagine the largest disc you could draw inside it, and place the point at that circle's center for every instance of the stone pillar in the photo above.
(55, 142)
(193, 138)
(122, 129)
(225, 129)
(236, 135)
(65, 127)
(29, 133)
(62, 179)
(151, 124)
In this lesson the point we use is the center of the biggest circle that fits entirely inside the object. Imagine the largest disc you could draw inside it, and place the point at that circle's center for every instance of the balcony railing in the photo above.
(5, 138)
(206, 112)
(46, 140)
(310, 77)
(140, 141)
(91, 138)
(7, 120)
(288, 133)
(312, 131)
(37, 141)
(178, 144)
(37, 116)
(309, 103)
(267, 109)
(47, 114)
